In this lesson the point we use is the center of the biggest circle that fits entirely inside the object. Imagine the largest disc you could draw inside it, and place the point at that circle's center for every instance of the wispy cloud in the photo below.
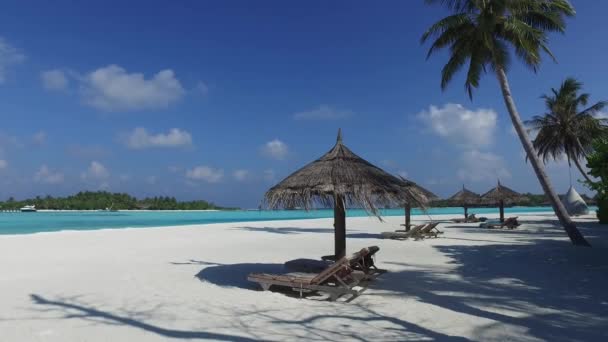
(88, 151)
(112, 88)
(205, 173)
(275, 149)
(140, 138)
(3, 164)
(96, 171)
(241, 175)
(46, 175)
(9, 56)
(479, 166)
(324, 112)
(39, 138)
(54, 79)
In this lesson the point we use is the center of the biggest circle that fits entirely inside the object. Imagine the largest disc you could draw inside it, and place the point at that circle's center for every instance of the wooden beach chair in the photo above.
(362, 261)
(414, 227)
(431, 230)
(413, 233)
(510, 223)
(336, 281)
(470, 219)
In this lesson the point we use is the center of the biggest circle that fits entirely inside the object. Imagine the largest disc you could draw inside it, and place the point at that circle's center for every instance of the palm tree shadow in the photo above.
(80, 311)
(558, 299)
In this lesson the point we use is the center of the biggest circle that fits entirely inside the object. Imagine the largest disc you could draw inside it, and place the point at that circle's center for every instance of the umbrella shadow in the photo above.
(235, 275)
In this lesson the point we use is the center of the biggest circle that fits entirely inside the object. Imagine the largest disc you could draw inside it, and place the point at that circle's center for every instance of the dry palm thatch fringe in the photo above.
(501, 193)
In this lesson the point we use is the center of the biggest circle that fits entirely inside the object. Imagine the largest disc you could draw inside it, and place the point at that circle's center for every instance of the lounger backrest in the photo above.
(340, 265)
(417, 229)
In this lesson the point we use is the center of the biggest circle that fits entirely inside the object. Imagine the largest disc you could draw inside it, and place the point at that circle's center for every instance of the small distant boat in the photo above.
(109, 209)
(28, 209)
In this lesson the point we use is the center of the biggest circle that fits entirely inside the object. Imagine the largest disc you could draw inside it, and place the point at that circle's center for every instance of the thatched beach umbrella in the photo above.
(465, 198)
(499, 196)
(340, 179)
(419, 196)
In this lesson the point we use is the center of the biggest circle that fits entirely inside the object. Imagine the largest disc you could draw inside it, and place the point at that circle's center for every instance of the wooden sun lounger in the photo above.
(510, 223)
(361, 261)
(431, 230)
(364, 261)
(337, 280)
(413, 233)
(405, 231)
(470, 219)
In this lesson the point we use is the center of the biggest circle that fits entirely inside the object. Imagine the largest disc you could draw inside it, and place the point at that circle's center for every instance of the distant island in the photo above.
(102, 200)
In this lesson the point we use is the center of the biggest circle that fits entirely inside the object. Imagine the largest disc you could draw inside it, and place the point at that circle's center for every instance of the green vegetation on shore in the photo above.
(89, 200)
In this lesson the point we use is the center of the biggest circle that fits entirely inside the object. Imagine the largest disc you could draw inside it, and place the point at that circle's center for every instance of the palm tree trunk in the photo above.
(573, 233)
(580, 168)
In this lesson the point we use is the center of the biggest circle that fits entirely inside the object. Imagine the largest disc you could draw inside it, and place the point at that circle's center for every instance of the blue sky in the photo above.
(220, 100)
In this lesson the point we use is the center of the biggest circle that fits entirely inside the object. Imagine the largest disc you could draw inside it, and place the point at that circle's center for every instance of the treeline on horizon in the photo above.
(528, 200)
(94, 200)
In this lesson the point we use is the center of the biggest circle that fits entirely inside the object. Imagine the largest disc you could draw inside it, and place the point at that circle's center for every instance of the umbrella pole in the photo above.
(408, 214)
(502, 211)
(339, 227)
(466, 212)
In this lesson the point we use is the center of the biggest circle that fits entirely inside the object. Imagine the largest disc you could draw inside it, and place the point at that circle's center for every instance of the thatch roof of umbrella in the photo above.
(340, 179)
(342, 173)
(418, 193)
(464, 197)
(501, 193)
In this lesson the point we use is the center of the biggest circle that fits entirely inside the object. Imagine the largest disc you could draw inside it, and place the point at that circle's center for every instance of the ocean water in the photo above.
(27, 223)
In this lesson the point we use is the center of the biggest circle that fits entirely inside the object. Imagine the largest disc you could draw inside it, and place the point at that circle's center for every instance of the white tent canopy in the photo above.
(574, 203)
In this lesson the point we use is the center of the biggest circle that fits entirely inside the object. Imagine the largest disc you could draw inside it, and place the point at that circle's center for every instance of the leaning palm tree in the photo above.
(565, 129)
(480, 33)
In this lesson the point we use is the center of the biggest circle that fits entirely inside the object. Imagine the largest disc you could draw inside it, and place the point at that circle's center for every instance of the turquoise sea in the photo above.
(27, 223)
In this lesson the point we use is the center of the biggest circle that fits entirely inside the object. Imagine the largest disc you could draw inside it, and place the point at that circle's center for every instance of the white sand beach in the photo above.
(189, 283)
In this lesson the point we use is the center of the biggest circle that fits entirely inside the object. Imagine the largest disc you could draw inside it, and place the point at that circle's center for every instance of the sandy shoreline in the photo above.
(188, 282)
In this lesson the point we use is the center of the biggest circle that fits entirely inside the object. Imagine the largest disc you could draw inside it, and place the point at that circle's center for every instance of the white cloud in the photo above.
(39, 138)
(241, 175)
(461, 126)
(9, 56)
(54, 79)
(479, 166)
(96, 171)
(46, 175)
(124, 178)
(324, 112)
(112, 88)
(140, 139)
(275, 149)
(602, 115)
(202, 88)
(151, 179)
(3, 164)
(206, 174)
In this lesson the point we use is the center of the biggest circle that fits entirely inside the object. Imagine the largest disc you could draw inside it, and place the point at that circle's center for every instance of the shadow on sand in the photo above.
(75, 310)
(296, 230)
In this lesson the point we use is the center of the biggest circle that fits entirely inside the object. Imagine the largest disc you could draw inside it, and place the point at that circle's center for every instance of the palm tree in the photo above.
(480, 33)
(565, 129)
